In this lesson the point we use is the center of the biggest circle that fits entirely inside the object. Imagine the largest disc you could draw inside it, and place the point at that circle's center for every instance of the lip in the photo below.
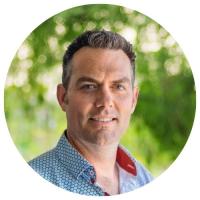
(103, 120)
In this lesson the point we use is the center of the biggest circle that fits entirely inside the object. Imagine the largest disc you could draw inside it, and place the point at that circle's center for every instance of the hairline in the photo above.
(69, 65)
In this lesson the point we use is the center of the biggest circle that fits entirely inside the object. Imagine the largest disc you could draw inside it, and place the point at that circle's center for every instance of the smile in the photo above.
(103, 119)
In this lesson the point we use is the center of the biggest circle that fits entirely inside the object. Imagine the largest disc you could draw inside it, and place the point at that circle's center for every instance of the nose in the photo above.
(104, 98)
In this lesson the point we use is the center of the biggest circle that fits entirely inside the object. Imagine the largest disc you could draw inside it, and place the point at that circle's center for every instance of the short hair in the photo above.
(97, 39)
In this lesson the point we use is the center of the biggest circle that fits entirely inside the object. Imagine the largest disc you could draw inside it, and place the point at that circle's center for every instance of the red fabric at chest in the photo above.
(125, 162)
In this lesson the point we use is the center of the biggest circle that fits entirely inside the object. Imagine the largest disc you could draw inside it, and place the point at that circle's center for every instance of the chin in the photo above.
(105, 137)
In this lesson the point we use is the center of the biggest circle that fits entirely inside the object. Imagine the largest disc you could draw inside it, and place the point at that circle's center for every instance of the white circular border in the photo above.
(19, 18)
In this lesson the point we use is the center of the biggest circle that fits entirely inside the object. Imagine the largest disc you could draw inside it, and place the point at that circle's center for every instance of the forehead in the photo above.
(100, 62)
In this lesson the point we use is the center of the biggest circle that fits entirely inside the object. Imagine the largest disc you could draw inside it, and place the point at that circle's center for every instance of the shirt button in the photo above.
(91, 173)
(92, 181)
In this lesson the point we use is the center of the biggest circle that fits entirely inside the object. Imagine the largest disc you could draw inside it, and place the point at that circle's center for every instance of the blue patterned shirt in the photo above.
(65, 167)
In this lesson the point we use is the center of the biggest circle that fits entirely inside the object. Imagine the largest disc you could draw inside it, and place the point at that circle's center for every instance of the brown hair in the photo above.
(96, 39)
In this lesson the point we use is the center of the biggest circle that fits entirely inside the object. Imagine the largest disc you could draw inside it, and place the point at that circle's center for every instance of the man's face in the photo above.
(100, 97)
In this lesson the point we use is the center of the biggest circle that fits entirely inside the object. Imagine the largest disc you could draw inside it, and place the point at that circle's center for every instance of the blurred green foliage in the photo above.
(164, 115)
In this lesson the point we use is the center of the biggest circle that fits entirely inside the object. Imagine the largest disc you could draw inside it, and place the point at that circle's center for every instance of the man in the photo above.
(98, 96)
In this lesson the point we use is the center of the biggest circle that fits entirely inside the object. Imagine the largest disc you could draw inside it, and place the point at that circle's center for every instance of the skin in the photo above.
(98, 104)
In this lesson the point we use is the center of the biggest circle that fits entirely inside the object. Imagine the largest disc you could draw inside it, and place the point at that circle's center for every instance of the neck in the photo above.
(100, 156)
(103, 159)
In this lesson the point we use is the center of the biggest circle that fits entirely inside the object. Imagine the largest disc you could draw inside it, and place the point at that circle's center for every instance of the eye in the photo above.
(120, 87)
(88, 87)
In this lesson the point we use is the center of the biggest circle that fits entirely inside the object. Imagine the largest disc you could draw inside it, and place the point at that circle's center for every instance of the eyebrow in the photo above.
(122, 80)
(86, 79)
(89, 79)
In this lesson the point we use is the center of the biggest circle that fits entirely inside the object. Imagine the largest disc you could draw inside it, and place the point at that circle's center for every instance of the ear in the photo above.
(62, 96)
(135, 98)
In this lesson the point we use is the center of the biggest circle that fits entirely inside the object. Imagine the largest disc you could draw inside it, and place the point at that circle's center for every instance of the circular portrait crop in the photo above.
(99, 100)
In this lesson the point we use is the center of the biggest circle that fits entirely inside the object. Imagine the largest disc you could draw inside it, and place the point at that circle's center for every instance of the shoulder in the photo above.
(45, 165)
(43, 160)
(143, 175)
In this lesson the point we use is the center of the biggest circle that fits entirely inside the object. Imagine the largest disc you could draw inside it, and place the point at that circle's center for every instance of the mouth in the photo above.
(103, 119)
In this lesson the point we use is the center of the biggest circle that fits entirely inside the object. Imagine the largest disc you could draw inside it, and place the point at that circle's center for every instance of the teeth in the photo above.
(103, 119)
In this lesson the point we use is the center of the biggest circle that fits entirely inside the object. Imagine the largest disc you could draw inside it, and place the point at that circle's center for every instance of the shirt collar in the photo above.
(78, 166)
(126, 161)
(74, 162)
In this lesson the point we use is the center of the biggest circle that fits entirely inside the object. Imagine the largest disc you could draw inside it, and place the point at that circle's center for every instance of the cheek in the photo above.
(79, 106)
(125, 107)
(125, 102)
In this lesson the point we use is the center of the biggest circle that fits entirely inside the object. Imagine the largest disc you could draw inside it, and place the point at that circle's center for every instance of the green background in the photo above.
(163, 118)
